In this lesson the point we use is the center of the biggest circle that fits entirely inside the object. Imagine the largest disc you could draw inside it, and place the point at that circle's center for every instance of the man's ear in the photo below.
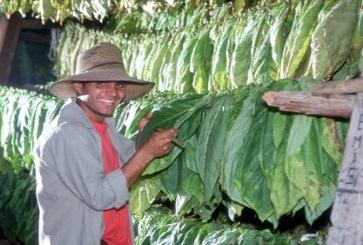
(78, 87)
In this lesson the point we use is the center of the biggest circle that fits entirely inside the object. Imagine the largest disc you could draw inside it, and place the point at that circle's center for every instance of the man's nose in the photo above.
(112, 89)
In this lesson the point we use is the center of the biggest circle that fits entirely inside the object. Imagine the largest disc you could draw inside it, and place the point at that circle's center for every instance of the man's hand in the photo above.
(159, 144)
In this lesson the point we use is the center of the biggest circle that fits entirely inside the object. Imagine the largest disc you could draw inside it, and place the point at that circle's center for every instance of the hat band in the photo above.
(92, 67)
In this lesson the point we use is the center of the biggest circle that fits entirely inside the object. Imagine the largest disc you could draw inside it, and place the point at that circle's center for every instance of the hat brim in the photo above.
(135, 88)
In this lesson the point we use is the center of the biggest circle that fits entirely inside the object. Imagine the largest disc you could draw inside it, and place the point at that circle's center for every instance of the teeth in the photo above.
(109, 102)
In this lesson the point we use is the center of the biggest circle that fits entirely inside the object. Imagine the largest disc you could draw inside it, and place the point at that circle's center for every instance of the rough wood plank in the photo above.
(302, 102)
(338, 87)
(9, 33)
(347, 215)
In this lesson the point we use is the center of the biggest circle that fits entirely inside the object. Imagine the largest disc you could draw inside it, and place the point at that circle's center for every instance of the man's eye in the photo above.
(120, 85)
(100, 83)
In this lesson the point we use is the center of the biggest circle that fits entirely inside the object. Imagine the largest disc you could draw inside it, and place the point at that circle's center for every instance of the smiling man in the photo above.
(84, 168)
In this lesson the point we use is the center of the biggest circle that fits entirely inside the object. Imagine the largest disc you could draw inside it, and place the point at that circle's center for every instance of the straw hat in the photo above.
(102, 62)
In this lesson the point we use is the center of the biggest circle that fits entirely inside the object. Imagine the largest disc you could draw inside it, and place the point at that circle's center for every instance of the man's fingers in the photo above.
(168, 133)
(149, 115)
(144, 120)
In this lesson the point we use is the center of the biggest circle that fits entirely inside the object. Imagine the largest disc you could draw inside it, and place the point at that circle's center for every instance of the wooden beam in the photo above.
(347, 215)
(338, 87)
(9, 33)
(305, 103)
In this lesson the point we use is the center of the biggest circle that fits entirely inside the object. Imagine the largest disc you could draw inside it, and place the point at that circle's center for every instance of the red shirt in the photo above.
(117, 226)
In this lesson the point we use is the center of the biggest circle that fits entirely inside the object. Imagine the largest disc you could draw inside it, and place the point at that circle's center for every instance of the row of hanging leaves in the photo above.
(18, 207)
(99, 10)
(239, 153)
(159, 226)
(288, 40)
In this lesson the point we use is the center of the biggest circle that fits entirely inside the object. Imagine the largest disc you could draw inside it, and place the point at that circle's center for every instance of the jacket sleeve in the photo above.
(76, 153)
(125, 147)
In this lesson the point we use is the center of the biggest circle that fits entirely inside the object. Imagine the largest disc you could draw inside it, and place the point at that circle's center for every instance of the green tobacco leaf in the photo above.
(200, 62)
(160, 164)
(191, 234)
(190, 193)
(9, 118)
(23, 205)
(328, 193)
(297, 43)
(223, 236)
(158, 59)
(300, 129)
(267, 152)
(279, 122)
(259, 42)
(223, 48)
(183, 230)
(311, 170)
(142, 194)
(249, 176)
(132, 130)
(263, 67)
(184, 78)
(279, 31)
(204, 230)
(234, 146)
(7, 217)
(332, 38)
(350, 68)
(164, 76)
(171, 179)
(139, 66)
(210, 145)
(170, 69)
(284, 194)
(173, 114)
(329, 138)
(182, 113)
(321, 168)
(241, 56)
(191, 182)
(150, 58)
(281, 119)
(124, 116)
(189, 154)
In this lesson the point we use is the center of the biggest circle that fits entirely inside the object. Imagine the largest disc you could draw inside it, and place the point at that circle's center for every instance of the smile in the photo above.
(107, 102)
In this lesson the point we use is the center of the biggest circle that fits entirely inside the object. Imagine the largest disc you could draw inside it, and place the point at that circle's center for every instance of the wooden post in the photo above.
(9, 33)
(347, 212)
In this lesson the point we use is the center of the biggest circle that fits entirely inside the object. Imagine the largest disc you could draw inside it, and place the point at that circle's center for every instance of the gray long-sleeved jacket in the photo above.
(72, 188)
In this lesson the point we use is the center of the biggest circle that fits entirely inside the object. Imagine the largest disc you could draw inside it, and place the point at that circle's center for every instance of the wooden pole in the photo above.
(347, 215)
(302, 102)
(9, 33)
(338, 87)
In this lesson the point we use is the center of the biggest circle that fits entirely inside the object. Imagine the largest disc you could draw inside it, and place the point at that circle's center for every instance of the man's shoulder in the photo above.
(61, 129)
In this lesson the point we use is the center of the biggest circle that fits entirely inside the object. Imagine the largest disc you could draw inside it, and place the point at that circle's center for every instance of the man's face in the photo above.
(99, 99)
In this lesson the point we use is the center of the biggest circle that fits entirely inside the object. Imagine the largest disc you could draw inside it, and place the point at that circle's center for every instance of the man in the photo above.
(84, 168)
